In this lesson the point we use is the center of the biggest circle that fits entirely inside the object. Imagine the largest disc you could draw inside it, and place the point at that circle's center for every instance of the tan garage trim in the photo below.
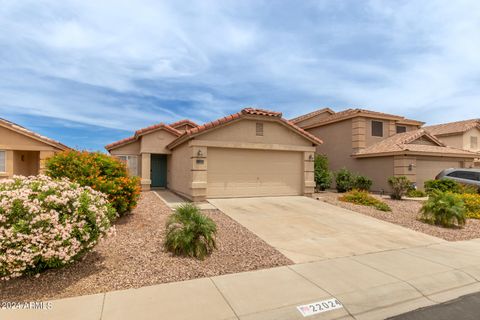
(246, 145)
(252, 173)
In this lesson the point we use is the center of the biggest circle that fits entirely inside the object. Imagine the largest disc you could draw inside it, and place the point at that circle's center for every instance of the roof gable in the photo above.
(30, 134)
(141, 132)
(452, 128)
(418, 141)
(312, 114)
(353, 113)
(184, 122)
(244, 113)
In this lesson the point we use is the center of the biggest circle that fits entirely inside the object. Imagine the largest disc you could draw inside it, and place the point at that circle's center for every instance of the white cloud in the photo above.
(124, 64)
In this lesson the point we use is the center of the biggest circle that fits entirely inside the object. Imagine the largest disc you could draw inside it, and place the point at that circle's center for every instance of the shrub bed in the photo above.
(100, 172)
(190, 233)
(472, 205)
(444, 208)
(323, 177)
(46, 223)
(364, 199)
(346, 181)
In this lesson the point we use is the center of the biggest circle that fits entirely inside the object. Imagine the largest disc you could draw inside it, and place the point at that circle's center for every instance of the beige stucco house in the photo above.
(460, 134)
(23, 152)
(381, 145)
(250, 153)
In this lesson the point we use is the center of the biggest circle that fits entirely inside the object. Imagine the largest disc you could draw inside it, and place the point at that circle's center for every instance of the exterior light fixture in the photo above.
(410, 167)
(310, 157)
(199, 153)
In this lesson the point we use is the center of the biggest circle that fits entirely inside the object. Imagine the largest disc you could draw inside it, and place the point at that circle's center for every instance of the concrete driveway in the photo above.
(305, 230)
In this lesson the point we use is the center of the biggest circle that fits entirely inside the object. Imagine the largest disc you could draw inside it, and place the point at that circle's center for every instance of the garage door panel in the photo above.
(249, 173)
(429, 169)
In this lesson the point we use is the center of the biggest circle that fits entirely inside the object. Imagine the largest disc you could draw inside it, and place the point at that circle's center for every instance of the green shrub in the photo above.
(100, 172)
(323, 177)
(472, 205)
(362, 183)
(444, 208)
(363, 198)
(468, 189)
(414, 193)
(190, 233)
(442, 185)
(46, 223)
(344, 180)
(399, 186)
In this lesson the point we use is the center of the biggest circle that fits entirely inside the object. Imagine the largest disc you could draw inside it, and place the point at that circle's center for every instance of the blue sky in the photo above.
(90, 72)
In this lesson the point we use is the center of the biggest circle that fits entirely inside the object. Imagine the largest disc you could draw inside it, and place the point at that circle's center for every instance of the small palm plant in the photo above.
(190, 233)
(444, 208)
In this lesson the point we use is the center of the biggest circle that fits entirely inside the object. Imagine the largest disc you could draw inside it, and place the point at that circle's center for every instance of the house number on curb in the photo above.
(319, 307)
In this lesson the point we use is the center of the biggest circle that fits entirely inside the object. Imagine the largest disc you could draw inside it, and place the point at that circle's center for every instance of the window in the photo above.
(3, 161)
(377, 128)
(401, 129)
(132, 164)
(467, 175)
(259, 129)
(473, 143)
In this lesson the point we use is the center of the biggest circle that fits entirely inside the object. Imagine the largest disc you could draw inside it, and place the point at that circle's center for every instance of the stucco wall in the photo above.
(369, 138)
(245, 131)
(337, 143)
(313, 120)
(455, 141)
(25, 163)
(11, 140)
(181, 170)
(466, 139)
(379, 169)
(337, 146)
(156, 142)
(34, 153)
(128, 149)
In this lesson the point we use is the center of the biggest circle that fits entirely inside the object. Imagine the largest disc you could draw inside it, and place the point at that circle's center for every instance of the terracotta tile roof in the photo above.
(244, 112)
(351, 113)
(141, 132)
(25, 131)
(453, 127)
(311, 114)
(177, 124)
(404, 142)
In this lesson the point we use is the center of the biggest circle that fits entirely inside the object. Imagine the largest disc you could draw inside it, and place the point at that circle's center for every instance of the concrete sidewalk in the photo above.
(173, 201)
(370, 286)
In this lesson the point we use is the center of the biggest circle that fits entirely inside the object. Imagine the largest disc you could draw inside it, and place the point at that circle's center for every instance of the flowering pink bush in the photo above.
(46, 223)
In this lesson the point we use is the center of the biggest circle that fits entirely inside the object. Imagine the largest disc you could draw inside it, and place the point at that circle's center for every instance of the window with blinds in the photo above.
(132, 164)
(3, 161)
(377, 128)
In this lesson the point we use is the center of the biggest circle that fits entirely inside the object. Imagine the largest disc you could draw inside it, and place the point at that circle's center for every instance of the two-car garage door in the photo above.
(428, 169)
(250, 173)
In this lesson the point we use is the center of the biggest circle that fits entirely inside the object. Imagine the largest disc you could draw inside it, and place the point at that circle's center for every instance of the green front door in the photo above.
(158, 170)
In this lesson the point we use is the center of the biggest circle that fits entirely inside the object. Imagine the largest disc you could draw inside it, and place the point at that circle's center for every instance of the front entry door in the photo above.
(158, 170)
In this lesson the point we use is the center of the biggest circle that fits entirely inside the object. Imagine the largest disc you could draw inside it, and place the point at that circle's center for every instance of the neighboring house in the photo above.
(460, 134)
(23, 152)
(250, 153)
(381, 145)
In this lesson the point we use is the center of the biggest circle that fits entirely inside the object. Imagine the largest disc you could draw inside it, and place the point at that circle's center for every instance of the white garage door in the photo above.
(252, 173)
(428, 169)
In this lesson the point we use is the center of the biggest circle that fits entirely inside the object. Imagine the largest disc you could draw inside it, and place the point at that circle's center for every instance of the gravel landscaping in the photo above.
(406, 214)
(135, 257)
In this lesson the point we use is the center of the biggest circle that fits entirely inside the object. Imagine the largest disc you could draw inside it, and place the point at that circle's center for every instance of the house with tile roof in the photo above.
(460, 134)
(253, 152)
(381, 145)
(22, 151)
